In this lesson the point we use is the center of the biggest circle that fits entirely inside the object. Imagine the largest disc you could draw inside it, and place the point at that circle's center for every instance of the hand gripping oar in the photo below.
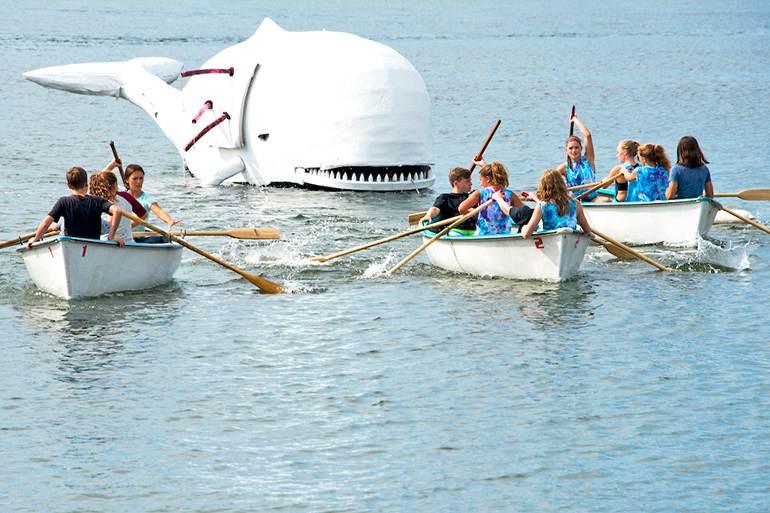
(120, 166)
(415, 218)
(746, 220)
(748, 194)
(235, 233)
(24, 238)
(635, 253)
(486, 143)
(597, 187)
(386, 239)
(441, 233)
(265, 285)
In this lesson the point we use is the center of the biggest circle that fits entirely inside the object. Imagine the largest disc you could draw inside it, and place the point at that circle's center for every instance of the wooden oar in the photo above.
(746, 220)
(635, 253)
(415, 218)
(748, 194)
(486, 143)
(120, 166)
(235, 233)
(24, 238)
(265, 285)
(615, 250)
(597, 187)
(571, 132)
(583, 186)
(386, 239)
(441, 233)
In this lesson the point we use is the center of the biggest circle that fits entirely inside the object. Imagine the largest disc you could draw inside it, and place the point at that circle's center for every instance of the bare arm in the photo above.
(709, 189)
(588, 149)
(432, 212)
(531, 226)
(112, 165)
(116, 214)
(164, 215)
(470, 202)
(671, 191)
(41, 230)
(583, 220)
(504, 206)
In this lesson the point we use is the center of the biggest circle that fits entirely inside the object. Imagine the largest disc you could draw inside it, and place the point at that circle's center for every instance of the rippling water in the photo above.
(625, 389)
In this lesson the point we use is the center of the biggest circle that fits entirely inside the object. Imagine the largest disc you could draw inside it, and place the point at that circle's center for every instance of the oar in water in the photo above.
(615, 250)
(748, 195)
(24, 238)
(441, 233)
(746, 220)
(635, 253)
(386, 239)
(265, 285)
(235, 233)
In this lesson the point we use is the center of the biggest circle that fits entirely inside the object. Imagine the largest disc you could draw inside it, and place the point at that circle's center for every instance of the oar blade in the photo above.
(755, 195)
(265, 285)
(415, 218)
(253, 233)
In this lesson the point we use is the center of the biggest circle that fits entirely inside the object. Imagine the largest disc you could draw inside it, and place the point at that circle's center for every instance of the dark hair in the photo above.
(457, 174)
(688, 153)
(655, 154)
(77, 178)
(133, 168)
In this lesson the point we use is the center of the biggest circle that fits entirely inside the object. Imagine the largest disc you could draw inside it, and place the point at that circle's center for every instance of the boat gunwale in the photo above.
(66, 238)
(502, 236)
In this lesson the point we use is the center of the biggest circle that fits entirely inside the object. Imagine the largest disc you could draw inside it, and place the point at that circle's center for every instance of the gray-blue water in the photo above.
(626, 389)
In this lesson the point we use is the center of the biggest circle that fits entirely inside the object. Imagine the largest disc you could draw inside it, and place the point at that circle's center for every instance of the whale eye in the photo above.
(263, 137)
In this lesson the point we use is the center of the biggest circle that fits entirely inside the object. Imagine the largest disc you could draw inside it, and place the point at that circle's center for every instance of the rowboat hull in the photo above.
(553, 255)
(676, 222)
(71, 267)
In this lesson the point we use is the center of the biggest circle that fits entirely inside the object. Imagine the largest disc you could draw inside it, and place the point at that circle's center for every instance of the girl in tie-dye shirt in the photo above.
(579, 168)
(649, 181)
(492, 220)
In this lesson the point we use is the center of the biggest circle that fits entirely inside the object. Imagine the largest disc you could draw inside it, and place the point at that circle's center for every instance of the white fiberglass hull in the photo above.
(676, 222)
(71, 267)
(553, 255)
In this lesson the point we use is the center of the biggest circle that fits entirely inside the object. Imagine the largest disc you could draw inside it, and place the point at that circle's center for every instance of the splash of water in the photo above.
(729, 256)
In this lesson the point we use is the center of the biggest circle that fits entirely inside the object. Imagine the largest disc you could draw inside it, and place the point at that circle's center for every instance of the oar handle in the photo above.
(572, 123)
(442, 233)
(486, 143)
(120, 166)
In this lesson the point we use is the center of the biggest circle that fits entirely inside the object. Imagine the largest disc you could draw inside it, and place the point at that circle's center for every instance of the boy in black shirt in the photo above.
(446, 204)
(82, 213)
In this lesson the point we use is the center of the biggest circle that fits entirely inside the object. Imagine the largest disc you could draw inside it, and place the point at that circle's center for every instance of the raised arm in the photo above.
(588, 149)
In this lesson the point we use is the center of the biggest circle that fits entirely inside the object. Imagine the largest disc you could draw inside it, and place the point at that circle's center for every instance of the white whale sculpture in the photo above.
(324, 109)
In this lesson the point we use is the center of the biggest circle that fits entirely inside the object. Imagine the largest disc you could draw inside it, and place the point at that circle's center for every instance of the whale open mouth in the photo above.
(367, 178)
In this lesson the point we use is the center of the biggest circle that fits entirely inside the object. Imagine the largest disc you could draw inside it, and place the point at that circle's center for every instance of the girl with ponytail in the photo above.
(650, 181)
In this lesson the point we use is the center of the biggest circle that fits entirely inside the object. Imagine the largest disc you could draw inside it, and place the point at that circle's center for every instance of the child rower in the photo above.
(579, 168)
(626, 153)
(446, 205)
(554, 207)
(690, 176)
(649, 181)
(81, 212)
(105, 185)
(491, 220)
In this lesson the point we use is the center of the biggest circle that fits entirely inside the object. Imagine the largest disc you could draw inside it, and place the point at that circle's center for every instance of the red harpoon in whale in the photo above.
(323, 109)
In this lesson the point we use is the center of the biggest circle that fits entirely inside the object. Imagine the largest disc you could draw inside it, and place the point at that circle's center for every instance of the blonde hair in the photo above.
(496, 173)
(656, 154)
(552, 188)
(102, 184)
(630, 146)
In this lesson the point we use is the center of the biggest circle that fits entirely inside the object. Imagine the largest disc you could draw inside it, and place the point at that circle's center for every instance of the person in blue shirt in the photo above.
(690, 176)
(579, 168)
(649, 181)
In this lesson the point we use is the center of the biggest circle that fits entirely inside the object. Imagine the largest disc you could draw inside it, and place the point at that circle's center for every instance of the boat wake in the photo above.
(722, 254)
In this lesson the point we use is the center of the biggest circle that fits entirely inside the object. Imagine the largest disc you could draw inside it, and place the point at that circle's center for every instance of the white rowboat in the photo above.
(71, 267)
(676, 222)
(554, 255)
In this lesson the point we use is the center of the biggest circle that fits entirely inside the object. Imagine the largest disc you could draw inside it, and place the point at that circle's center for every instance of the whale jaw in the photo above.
(367, 178)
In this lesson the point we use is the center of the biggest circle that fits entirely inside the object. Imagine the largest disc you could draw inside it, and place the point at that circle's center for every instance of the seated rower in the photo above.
(626, 160)
(690, 176)
(446, 205)
(554, 207)
(579, 168)
(81, 212)
(492, 220)
(650, 181)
